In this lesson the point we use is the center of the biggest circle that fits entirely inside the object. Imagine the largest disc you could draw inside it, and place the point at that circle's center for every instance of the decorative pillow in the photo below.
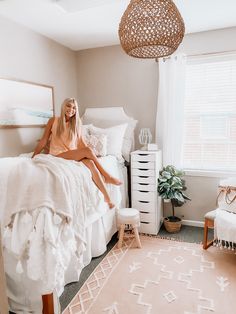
(128, 141)
(98, 143)
(85, 129)
(115, 137)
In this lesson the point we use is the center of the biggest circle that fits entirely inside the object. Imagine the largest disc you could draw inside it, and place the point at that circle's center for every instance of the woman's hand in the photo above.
(44, 140)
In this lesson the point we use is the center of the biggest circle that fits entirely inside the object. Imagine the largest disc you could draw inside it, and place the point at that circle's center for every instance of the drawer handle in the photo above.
(143, 162)
(144, 177)
(143, 154)
(146, 202)
(145, 222)
(142, 169)
(143, 191)
(144, 212)
(143, 183)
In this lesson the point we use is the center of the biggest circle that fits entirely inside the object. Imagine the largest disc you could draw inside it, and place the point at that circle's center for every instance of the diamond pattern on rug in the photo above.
(163, 277)
(170, 296)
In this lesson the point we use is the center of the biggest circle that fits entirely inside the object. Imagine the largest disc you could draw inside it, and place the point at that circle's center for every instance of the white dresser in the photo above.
(145, 167)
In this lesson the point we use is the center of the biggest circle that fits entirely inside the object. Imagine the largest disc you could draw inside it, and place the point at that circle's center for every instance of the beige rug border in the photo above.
(124, 250)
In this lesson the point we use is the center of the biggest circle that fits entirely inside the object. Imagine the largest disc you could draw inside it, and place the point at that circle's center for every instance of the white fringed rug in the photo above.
(166, 277)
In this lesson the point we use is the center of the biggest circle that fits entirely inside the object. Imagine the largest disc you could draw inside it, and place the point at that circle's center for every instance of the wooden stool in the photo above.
(209, 223)
(127, 216)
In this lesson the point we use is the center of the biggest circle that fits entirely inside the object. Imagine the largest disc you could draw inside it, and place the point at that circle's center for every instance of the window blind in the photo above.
(210, 113)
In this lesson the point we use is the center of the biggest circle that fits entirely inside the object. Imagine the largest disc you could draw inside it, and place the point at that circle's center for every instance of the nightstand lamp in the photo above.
(145, 137)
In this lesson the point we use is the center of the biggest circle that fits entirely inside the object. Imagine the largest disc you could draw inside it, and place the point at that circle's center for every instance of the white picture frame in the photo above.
(25, 104)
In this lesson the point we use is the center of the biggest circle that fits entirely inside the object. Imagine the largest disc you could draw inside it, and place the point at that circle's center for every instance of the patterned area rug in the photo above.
(165, 276)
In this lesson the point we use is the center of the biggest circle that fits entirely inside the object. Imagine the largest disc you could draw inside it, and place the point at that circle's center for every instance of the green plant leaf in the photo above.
(171, 185)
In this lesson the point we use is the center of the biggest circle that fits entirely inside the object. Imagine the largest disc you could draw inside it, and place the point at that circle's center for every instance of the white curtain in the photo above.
(170, 108)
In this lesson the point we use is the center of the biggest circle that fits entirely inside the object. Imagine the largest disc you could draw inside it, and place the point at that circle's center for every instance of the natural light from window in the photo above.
(210, 113)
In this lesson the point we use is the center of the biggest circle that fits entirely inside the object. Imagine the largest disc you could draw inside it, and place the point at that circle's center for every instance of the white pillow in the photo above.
(128, 142)
(98, 143)
(115, 137)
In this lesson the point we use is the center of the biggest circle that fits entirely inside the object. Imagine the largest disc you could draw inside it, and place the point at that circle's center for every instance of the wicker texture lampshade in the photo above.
(151, 28)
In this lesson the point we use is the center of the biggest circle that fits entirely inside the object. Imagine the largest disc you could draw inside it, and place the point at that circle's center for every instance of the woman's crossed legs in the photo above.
(87, 156)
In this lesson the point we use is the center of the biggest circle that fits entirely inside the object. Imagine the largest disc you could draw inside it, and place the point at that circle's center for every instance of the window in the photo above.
(210, 113)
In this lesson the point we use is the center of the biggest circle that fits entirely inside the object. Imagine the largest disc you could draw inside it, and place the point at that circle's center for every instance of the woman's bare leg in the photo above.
(97, 179)
(75, 154)
(81, 153)
(108, 178)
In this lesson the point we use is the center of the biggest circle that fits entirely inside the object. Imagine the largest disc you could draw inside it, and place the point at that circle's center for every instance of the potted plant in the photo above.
(171, 188)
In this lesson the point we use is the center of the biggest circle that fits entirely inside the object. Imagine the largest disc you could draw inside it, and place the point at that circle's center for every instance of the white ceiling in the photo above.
(82, 24)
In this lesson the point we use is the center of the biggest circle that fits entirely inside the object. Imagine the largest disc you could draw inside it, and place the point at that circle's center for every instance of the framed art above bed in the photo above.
(25, 104)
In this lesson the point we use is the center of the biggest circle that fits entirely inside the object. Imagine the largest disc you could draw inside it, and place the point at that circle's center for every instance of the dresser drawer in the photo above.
(143, 165)
(143, 172)
(144, 179)
(144, 206)
(144, 187)
(149, 227)
(147, 217)
(143, 157)
(144, 196)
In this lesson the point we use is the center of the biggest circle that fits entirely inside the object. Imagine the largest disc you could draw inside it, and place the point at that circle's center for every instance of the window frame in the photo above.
(191, 59)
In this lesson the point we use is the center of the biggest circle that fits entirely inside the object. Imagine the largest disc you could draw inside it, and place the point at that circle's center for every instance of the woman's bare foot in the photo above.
(112, 180)
(111, 205)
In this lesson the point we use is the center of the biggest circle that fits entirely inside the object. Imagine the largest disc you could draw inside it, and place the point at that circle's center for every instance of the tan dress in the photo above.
(63, 143)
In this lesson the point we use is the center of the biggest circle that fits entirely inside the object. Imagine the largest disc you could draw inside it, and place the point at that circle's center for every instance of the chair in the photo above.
(209, 223)
(128, 216)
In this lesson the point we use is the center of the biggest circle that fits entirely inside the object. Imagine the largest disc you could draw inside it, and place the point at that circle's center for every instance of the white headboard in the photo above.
(107, 113)
(110, 116)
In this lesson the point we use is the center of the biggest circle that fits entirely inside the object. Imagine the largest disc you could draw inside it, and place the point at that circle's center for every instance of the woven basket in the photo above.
(172, 226)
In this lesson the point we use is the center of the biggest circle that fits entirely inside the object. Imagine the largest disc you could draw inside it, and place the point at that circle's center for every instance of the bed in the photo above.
(48, 239)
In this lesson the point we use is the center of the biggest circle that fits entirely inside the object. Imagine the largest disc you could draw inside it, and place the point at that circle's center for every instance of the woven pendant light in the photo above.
(151, 28)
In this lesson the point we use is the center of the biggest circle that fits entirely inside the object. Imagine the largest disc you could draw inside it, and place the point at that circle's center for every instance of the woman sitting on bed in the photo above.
(66, 142)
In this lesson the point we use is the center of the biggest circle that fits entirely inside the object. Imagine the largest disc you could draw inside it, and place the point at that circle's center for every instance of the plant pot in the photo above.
(172, 226)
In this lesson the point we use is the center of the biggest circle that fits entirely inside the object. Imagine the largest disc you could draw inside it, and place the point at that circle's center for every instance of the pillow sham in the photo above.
(115, 137)
(98, 143)
(128, 141)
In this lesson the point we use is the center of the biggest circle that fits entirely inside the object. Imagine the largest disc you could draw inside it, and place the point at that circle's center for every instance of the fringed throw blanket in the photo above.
(225, 229)
(46, 201)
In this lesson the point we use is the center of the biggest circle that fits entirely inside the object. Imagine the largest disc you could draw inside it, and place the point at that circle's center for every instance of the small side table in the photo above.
(127, 216)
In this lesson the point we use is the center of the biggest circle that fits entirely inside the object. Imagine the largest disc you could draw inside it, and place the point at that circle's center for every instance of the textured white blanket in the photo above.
(47, 181)
(47, 200)
(225, 227)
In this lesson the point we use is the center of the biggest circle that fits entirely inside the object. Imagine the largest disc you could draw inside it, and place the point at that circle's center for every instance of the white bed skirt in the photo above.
(24, 293)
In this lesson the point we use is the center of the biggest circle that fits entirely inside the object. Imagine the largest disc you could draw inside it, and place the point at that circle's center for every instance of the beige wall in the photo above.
(27, 55)
(108, 77)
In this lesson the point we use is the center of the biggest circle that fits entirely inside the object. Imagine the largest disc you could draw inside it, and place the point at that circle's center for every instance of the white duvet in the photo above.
(46, 203)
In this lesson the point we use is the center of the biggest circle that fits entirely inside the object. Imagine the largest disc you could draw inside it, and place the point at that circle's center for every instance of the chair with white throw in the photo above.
(223, 219)
(128, 216)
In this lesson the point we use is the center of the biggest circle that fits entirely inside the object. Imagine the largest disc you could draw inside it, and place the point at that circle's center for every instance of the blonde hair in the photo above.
(74, 122)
